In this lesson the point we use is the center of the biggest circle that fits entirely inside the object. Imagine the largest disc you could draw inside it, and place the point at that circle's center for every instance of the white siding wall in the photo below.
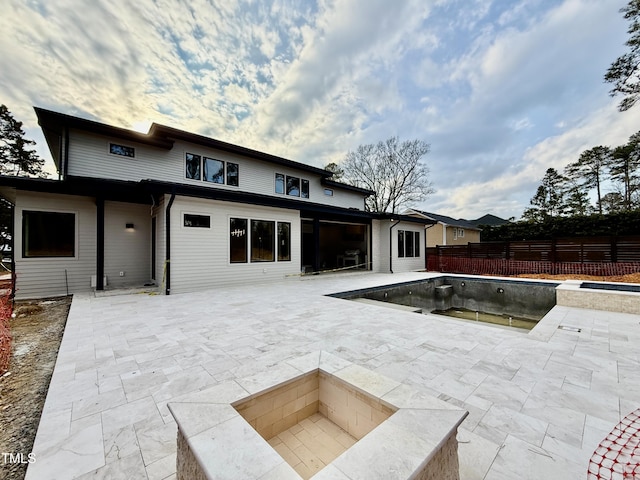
(380, 246)
(127, 251)
(411, 263)
(89, 156)
(200, 256)
(381, 231)
(44, 277)
(159, 213)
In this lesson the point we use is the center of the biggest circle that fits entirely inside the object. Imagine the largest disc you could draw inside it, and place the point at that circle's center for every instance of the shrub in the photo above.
(5, 333)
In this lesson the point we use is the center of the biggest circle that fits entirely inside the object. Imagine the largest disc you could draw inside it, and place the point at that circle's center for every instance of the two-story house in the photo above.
(447, 230)
(185, 212)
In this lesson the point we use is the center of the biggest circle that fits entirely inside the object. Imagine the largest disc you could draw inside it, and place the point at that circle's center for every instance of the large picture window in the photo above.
(408, 244)
(262, 241)
(213, 170)
(293, 186)
(238, 240)
(284, 241)
(48, 234)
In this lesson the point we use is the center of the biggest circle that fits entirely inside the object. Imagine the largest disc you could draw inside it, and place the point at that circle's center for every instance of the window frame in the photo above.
(280, 179)
(279, 257)
(273, 235)
(230, 176)
(113, 144)
(415, 244)
(246, 239)
(186, 169)
(200, 215)
(23, 239)
(288, 189)
(220, 176)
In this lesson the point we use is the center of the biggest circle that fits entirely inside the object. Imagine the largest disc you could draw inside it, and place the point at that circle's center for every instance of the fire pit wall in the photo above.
(398, 431)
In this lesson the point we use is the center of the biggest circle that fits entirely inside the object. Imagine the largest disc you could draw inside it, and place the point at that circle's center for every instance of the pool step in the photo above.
(404, 308)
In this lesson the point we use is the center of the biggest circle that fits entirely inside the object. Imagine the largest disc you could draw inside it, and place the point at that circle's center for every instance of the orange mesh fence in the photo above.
(5, 333)
(618, 455)
(491, 266)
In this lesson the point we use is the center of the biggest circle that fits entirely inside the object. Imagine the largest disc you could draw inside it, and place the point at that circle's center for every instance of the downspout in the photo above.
(444, 233)
(168, 241)
(426, 242)
(100, 244)
(65, 167)
(391, 245)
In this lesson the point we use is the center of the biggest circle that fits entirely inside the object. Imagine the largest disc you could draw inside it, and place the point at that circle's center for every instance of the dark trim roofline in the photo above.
(333, 184)
(145, 191)
(54, 124)
(173, 133)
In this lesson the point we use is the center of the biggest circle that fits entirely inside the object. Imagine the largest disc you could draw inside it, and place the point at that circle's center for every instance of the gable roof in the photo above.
(490, 220)
(55, 126)
(449, 221)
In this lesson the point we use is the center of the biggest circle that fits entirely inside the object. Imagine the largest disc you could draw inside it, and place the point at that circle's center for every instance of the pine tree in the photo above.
(16, 158)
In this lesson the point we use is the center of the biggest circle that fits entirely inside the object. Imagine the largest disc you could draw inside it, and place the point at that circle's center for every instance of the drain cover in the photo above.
(569, 328)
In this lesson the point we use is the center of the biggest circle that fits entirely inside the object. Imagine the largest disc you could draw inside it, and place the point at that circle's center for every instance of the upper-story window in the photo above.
(292, 186)
(211, 170)
(122, 150)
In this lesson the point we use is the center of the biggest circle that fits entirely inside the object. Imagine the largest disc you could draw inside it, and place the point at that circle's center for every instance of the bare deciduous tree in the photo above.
(393, 170)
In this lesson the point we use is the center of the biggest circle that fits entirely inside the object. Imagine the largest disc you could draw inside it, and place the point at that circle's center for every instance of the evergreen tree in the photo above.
(549, 200)
(16, 158)
(588, 171)
(624, 73)
(623, 168)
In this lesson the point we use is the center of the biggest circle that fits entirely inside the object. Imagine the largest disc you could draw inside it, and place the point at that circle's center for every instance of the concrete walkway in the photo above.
(539, 404)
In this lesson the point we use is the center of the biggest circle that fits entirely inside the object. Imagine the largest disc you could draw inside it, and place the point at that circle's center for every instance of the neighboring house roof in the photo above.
(55, 125)
(490, 220)
(449, 221)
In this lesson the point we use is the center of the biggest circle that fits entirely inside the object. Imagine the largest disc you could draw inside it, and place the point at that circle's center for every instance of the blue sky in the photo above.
(500, 89)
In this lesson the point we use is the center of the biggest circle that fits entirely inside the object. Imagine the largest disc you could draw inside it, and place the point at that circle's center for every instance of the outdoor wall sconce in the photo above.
(130, 226)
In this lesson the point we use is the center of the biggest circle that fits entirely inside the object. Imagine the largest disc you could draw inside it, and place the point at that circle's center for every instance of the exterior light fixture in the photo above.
(130, 226)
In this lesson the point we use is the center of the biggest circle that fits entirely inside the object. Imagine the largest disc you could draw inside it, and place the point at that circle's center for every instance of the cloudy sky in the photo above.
(500, 89)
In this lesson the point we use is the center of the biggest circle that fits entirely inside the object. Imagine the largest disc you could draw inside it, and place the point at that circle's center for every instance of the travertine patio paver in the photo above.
(539, 403)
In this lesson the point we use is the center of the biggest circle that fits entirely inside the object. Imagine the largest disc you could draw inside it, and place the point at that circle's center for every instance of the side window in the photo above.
(197, 221)
(193, 166)
(401, 243)
(238, 240)
(284, 241)
(233, 174)
(48, 234)
(279, 183)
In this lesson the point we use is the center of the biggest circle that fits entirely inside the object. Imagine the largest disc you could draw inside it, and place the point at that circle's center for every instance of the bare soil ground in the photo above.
(630, 278)
(37, 332)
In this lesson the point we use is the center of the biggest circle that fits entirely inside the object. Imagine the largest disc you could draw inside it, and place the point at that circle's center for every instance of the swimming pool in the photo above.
(522, 299)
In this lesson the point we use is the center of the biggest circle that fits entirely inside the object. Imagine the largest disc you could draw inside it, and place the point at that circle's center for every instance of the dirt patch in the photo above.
(37, 332)
(630, 278)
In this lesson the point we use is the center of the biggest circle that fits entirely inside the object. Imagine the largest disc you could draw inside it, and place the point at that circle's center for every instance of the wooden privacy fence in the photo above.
(603, 256)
